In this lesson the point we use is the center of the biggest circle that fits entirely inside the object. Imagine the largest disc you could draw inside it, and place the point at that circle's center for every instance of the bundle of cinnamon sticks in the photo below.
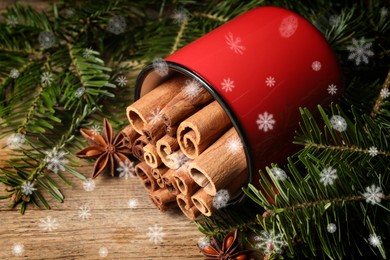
(187, 147)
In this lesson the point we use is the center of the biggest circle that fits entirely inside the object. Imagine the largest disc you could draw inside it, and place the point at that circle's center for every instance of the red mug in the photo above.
(261, 67)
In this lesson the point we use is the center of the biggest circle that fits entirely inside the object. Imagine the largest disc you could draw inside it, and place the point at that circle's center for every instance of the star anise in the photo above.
(230, 249)
(107, 148)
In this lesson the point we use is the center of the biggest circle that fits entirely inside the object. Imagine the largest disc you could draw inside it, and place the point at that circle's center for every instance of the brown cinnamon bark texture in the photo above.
(200, 130)
(144, 171)
(151, 157)
(184, 182)
(138, 147)
(187, 206)
(165, 147)
(130, 135)
(163, 199)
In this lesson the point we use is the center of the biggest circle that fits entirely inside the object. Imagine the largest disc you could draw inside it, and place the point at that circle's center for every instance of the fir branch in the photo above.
(210, 16)
(180, 33)
(351, 149)
(379, 100)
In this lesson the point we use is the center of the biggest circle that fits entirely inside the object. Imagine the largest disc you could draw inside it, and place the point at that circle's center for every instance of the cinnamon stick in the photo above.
(166, 146)
(144, 171)
(158, 174)
(154, 130)
(170, 183)
(138, 147)
(187, 206)
(151, 157)
(163, 199)
(171, 130)
(130, 135)
(149, 106)
(213, 171)
(184, 182)
(200, 130)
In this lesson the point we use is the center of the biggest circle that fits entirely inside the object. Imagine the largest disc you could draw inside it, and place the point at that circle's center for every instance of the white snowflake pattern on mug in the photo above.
(234, 43)
(288, 26)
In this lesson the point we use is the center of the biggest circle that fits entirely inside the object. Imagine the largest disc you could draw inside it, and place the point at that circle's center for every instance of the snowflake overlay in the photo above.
(103, 251)
(117, 25)
(87, 52)
(180, 15)
(234, 43)
(12, 21)
(234, 145)
(16, 140)
(270, 81)
(374, 240)
(46, 78)
(84, 212)
(373, 151)
(278, 173)
(203, 242)
(331, 228)
(328, 176)
(132, 203)
(373, 194)
(47, 39)
(121, 80)
(265, 121)
(89, 185)
(334, 20)
(270, 242)
(95, 129)
(28, 188)
(227, 85)
(17, 249)
(316, 65)
(126, 169)
(385, 93)
(338, 123)
(48, 224)
(192, 88)
(332, 89)
(14, 73)
(155, 234)
(177, 159)
(360, 51)
(79, 92)
(221, 199)
(384, 12)
(160, 66)
(288, 26)
(55, 160)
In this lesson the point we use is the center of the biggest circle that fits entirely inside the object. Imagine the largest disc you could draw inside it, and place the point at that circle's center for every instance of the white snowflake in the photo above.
(270, 242)
(87, 52)
(126, 169)
(84, 212)
(48, 223)
(203, 242)
(234, 43)
(155, 116)
(121, 80)
(132, 203)
(155, 234)
(17, 249)
(177, 159)
(265, 121)
(332, 89)
(334, 20)
(103, 251)
(46, 78)
(221, 199)
(160, 66)
(12, 21)
(89, 184)
(192, 88)
(234, 145)
(384, 12)
(95, 129)
(28, 188)
(288, 26)
(270, 81)
(79, 92)
(373, 194)
(47, 39)
(14, 73)
(360, 51)
(373, 151)
(385, 93)
(316, 65)
(227, 85)
(180, 15)
(331, 228)
(55, 160)
(328, 176)
(374, 240)
(338, 123)
(278, 173)
(117, 25)
(16, 140)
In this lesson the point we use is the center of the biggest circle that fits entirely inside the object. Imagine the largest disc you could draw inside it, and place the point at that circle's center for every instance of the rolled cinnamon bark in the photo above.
(158, 174)
(138, 147)
(130, 135)
(213, 171)
(184, 182)
(187, 206)
(151, 157)
(166, 146)
(148, 108)
(171, 130)
(144, 171)
(154, 130)
(163, 199)
(191, 97)
(200, 130)
(170, 183)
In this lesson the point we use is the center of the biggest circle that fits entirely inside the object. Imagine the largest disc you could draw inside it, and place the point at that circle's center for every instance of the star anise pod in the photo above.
(229, 250)
(109, 149)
